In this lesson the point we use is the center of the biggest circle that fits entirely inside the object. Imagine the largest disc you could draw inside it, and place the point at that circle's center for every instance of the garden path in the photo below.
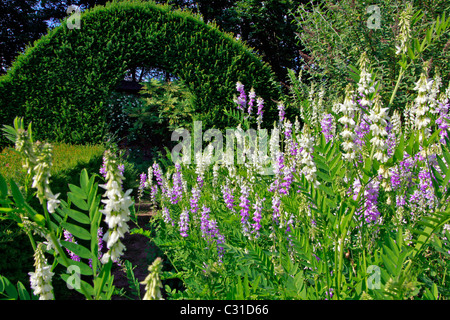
(138, 251)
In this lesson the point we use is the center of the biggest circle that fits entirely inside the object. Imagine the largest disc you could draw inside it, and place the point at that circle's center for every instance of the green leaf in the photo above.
(83, 267)
(327, 190)
(433, 138)
(399, 150)
(3, 188)
(323, 176)
(17, 195)
(2, 284)
(39, 219)
(84, 180)
(77, 249)
(103, 277)
(77, 191)
(76, 231)
(10, 290)
(438, 219)
(79, 202)
(430, 33)
(441, 164)
(410, 53)
(85, 285)
(77, 216)
(22, 291)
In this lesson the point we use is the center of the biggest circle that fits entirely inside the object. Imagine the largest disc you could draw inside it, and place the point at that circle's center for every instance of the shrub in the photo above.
(64, 80)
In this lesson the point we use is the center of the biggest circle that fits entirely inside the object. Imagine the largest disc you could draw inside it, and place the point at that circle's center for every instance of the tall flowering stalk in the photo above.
(166, 216)
(41, 178)
(379, 119)
(41, 278)
(152, 282)
(157, 174)
(196, 193)
(184, 223)
(245, 207)
(241, 101)
(281, 111)
(228, 196)
(328, 126)
(203, 160)
(177, 190)
(116, 210)
(259, 112)
(257, 216)
(420, 108)
(37, 161)
(305, 158)
(365, 84)
(251, 101)
(405, 30)
(142, 184)
(348, 109)
(443, 120)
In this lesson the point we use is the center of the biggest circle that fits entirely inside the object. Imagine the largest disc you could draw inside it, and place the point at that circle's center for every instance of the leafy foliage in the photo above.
(95, 58)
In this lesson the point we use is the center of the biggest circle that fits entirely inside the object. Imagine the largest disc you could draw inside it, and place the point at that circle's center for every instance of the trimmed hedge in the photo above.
(62, 82)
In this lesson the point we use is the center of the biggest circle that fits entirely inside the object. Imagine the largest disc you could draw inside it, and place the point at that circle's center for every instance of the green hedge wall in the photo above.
(62, 82)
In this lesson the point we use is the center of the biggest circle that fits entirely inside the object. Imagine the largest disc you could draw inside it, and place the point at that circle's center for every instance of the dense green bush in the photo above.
(62, 82)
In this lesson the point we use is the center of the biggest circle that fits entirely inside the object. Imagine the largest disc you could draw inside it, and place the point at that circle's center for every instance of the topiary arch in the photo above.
(61, 82)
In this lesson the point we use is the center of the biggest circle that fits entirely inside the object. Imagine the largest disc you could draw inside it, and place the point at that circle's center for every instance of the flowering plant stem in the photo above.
(402, 71)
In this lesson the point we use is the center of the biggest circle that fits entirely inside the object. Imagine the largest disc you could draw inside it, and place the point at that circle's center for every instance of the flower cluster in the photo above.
(348, 108)
(177, 190)
(152, 282)
(259, 112)
(228, 197)
(305, 158)
(365, 84)
(37, 161)
(420, 107)
(241, 101)
(405, 30)
(184, 223)
(245, 207)
(281, 111)
(41, 178)
(257, 215)
(379, 118)
(328, 126)
(116, 210)
(142, 184)
(166, 216)
(41, 278)
(69, 238)
(196, 193)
